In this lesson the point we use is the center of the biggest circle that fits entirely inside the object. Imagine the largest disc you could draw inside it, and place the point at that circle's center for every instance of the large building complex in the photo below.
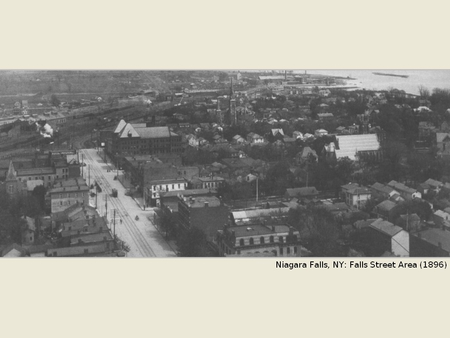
(140, 139)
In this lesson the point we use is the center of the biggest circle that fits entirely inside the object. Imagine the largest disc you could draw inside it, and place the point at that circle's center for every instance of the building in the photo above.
(443, 144)
(432, 242)
(441, 219)
(382, 191)
(387, 237)
(153, 189)
(207, 213)
(67, 193)
(12, 185)
(256, 239)
(207, 182)
(385, 210)
(355, 195)
(141, 139)
(358, 146)
(406, 192)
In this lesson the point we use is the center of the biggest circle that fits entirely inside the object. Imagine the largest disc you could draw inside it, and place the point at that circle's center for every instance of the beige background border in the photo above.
(215, 297)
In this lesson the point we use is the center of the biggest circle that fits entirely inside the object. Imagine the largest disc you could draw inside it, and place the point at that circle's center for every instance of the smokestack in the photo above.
(206, 204)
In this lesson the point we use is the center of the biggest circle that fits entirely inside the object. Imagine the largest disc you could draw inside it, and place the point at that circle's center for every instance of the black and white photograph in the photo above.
(225, 163)
(242, 168)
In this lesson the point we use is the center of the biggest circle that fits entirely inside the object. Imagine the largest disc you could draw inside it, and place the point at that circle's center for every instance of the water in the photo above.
(365, 79)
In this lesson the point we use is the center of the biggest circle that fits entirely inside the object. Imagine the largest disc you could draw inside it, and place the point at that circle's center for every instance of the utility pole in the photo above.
(96, 193)
(89, 175)
(106, 206)
(257, 180)
(114, 231)
(82, 164)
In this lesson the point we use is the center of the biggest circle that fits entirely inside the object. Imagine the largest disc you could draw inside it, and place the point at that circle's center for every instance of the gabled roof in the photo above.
(349, 145)
(128, 130)
(386, 205)
(433, 183)
(441, 137)
(385, 227)
(11, 175)
(120, 126)
(436, 237)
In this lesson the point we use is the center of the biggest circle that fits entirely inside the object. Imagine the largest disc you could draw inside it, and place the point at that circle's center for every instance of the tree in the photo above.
(193, 243)
(39, 194)
(54, 100)
(424, 92)
(319, 229)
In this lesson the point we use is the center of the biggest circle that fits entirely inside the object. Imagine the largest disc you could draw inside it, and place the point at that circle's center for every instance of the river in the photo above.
(429, 79)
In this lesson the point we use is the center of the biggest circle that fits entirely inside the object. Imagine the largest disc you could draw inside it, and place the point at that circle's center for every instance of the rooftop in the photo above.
(436, 237)
(258, 229)
(349, 145)
(385, 227)
(203, 201)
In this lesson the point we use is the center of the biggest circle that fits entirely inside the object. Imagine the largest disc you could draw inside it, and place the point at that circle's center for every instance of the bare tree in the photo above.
(424, 92)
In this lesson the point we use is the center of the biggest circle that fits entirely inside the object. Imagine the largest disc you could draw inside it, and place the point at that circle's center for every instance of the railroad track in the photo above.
(142, 245)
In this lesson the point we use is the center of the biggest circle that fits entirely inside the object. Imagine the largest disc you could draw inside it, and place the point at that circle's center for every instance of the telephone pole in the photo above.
(114, 231)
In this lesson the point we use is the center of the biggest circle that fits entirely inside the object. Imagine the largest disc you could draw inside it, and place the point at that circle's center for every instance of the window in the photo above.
(271, 239)
(295, 249)
(173, 186)
(178, 186)
(281, 251)
(241, 242)
(261, 240)
(288, 250)
(251, 241)
(280, 239)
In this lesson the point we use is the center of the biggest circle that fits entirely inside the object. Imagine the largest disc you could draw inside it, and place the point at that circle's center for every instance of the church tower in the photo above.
(11, 181)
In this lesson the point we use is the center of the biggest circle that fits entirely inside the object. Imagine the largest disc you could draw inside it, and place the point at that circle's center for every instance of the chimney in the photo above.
(273, 228)
(206, 204)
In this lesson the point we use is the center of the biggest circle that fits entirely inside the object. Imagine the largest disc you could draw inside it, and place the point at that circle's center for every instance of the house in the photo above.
(12, 251)
(385, 210)
(254, 138)
(320, 132)
(382, 191)
(325, 116)
(433, 242)
(307, 154)
(385, 236)
(257, 239)
(406, 192)
(238, 139)
(434, 185)
(355, 195)
(443, 144)
(441, 219)
(357, 146)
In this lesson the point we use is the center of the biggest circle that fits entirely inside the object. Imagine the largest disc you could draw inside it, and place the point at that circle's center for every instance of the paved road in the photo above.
(141, 236)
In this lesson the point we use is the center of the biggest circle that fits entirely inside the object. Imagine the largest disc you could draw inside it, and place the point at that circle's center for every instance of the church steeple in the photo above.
(11, 175)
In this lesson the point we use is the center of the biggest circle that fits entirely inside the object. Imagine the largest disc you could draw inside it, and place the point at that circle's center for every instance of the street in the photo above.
(140, 235)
